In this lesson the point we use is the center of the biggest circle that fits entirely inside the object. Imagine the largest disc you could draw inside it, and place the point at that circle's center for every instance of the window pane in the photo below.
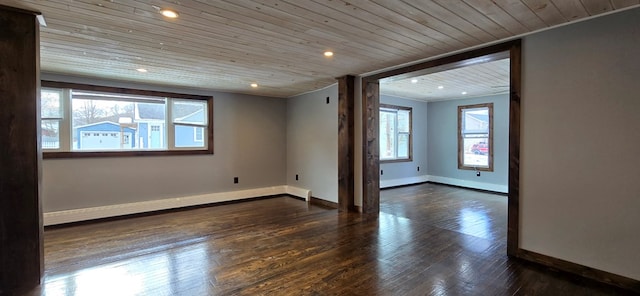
(189, 136)
(403, 121)
(50, 106)
(476, 120)
(50, 130)
(476, 151)
(403, 145)
(190, 112)
(104, 124)
(387, 135)
(475, 137)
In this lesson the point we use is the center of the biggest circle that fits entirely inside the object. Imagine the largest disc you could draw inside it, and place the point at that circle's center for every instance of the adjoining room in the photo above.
(319, 147)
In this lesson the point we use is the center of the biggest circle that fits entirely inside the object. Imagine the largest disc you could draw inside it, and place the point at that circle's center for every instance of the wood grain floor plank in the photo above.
(427, 240)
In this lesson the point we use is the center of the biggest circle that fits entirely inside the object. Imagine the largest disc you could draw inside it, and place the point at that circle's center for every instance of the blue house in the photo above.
(190, 136)
(104, 135)
(150, 119)
(146, 132)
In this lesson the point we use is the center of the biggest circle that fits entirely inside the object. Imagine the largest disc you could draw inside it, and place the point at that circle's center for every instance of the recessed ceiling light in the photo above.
(440, 87)
(169, 13)
(254, 85)
(464, 92)
(414, 80)
(328, 53)
(142, 70)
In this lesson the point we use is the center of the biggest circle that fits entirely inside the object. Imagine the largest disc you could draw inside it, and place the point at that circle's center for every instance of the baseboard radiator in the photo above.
(444, 180)
(84, 214)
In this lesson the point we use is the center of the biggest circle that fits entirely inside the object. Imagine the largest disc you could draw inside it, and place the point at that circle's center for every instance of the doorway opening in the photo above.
(371, 123)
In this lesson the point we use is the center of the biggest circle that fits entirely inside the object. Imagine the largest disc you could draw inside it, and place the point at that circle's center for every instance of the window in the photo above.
(189, 120)
(51, 116)
(106, 121)
(475, 137)
(395, 133)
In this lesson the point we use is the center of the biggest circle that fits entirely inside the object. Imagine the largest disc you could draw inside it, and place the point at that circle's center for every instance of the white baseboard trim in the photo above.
(470, 184)
(299, 192)
(76, 215)
(403, 181)
(444, 180)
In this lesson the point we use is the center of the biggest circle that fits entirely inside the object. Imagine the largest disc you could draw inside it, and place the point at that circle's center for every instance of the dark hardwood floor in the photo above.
(427, 240)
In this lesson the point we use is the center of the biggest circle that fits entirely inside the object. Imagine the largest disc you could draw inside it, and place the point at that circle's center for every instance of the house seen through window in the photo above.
(475, 137)
(51, 117)
(77, 120)
(395, 133)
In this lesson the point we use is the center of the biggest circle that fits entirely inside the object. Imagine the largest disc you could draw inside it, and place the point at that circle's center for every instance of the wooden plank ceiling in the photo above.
(227, 45)
(489, 78)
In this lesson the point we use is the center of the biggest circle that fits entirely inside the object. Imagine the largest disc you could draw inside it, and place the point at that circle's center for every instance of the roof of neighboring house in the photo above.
(480, 117)
(49, 132)
(104, 126)
(150, 111)
(195, 117)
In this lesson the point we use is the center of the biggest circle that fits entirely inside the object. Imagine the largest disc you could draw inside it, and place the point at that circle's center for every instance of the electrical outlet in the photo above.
(381, 172)
(235, 180)
(327, 100)
(418, 168)
(296, 177)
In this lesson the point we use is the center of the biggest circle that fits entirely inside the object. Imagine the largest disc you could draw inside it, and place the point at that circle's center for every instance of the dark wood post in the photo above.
(371, 147)
(346, 143)
(515, 82)
(21, 253)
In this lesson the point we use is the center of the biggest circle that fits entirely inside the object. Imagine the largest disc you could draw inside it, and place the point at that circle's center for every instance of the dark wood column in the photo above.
(371, 147)
(515, 82)
(346, 143)
(21, 257)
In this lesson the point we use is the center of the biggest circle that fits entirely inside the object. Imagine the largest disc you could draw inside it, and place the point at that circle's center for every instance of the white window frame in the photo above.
(57, 119)
(395, 109)
(175, 123)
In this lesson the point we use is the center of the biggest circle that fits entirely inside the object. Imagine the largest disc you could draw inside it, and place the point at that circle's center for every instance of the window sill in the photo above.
(96, 154)
(468, 168)
(396, 160)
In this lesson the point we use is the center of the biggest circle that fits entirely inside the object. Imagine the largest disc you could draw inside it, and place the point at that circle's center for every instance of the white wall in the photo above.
(406, 172)
(312, 142)
(580, 164)
(249, 143)
(442, 127)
